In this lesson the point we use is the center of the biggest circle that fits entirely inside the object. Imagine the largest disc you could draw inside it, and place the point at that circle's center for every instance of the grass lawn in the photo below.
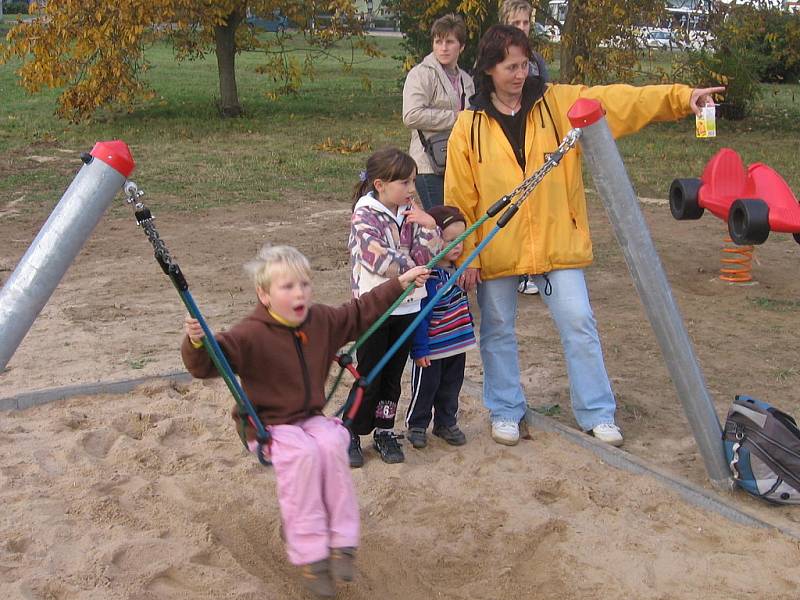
(187, 157)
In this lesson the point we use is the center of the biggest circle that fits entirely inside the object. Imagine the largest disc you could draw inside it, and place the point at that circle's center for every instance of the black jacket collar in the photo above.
(532, 90)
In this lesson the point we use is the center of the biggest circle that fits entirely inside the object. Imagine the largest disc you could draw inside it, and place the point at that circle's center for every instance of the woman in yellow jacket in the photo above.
(513, 123)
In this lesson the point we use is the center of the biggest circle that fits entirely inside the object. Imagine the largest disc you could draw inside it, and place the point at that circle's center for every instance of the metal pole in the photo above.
(58, 242)
(622, 206)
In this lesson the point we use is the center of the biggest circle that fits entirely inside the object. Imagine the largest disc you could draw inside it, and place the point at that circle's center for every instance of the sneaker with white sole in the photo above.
(527, 287)
(608, 433)
(505, 432)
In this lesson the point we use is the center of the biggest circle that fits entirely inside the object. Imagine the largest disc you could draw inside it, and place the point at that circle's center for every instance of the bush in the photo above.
(736, 71)
(771, 34)
(751, 44)
(14, 7)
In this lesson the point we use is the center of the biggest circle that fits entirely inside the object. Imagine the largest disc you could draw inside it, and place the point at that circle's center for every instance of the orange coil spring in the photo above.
(737, 263)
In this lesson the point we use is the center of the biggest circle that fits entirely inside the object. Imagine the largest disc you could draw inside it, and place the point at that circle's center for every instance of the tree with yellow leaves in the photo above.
(598, 39)
(95, 49)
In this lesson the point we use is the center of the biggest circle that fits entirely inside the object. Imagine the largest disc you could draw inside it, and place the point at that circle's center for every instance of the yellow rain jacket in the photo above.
(551, 229)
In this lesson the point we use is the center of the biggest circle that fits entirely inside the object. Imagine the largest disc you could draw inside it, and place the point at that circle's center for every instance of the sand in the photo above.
(150, 495)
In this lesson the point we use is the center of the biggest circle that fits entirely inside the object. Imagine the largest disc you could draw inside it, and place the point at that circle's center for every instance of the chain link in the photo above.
(146, 221)
(553, 160)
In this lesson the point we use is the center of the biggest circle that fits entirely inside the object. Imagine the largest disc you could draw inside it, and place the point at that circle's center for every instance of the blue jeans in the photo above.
(430, 188)
(589, 388)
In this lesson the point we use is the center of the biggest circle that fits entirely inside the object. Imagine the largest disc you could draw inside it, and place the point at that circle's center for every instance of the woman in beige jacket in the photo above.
(435, 91)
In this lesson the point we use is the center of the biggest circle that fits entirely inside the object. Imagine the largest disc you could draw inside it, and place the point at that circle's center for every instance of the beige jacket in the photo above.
(430, 103)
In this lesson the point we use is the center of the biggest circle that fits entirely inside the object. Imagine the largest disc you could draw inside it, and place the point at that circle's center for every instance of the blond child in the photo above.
(282, 352)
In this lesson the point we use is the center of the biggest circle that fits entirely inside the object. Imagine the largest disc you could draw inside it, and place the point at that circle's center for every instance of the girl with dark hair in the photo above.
(504, 137)
(389, 234)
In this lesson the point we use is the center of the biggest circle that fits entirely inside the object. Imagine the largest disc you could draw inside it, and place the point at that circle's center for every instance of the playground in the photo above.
(122, 491)
(149, 494)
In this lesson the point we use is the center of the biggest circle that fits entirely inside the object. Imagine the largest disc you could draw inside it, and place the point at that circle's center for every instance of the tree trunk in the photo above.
(225, 36)
(572, 42)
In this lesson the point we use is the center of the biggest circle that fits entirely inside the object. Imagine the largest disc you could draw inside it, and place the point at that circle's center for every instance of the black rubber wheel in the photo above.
(683, 199)
(748, 221)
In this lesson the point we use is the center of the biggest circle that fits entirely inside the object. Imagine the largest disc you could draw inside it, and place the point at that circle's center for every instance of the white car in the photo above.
(661, 39)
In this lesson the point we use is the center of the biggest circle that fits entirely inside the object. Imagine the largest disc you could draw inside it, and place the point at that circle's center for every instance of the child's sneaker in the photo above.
(385, 442)
(452, 435)
(342, 563)
(317, 579)
(354, 451)
(417, 437)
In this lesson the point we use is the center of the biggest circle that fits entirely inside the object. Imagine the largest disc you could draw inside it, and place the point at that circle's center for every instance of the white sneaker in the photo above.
(527, 287)
(608, 433)
(505, 432)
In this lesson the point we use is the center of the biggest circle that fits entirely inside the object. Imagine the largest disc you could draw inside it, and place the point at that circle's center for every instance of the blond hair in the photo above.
(272, 260)
(511, 7)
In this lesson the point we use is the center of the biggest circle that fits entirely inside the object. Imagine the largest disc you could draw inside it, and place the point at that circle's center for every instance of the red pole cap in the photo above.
(585, 112)
(116, 155)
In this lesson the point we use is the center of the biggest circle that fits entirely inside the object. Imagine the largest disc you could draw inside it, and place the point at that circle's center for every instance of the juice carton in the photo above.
(706, 123)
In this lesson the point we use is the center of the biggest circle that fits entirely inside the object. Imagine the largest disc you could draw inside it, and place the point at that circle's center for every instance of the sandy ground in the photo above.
(149, 495)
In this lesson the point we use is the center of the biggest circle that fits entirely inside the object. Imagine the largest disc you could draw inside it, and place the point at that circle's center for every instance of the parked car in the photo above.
(276, 23)
(661, 39)
(753, 201)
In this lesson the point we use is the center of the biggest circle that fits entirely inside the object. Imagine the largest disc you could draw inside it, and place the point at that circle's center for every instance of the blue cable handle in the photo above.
(429, 307)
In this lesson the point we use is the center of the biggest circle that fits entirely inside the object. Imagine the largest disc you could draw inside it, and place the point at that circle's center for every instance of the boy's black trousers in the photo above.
(436, 388)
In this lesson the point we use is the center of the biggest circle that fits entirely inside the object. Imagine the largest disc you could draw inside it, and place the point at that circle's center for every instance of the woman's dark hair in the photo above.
(388, 164)
(493, 49)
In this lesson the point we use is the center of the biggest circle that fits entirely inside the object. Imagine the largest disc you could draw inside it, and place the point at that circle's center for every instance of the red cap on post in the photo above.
(585, 112)
(116, 155)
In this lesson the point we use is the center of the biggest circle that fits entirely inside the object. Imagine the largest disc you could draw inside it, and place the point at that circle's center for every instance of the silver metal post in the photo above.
(622, 206)
(57, 244)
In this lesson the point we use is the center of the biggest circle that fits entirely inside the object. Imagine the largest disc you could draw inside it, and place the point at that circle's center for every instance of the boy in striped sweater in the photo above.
(440, 345)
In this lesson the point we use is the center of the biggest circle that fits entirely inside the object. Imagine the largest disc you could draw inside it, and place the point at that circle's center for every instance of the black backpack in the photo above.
(762, 445)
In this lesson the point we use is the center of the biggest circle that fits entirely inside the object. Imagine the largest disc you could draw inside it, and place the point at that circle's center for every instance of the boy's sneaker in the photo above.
(608, 433)
(505, 432)
(317, 579)
(417, 437)
(527, 287)
(342, 567)
(385, 442)
(452, 435)
(354, 451)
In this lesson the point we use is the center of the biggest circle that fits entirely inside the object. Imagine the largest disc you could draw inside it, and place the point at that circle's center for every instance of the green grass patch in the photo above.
(775, 305)
(188, 157)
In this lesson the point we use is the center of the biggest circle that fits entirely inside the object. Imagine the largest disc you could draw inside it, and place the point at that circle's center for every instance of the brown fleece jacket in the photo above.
(283, 369)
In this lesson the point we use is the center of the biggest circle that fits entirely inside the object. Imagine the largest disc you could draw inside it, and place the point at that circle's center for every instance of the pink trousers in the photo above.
(317, 499)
